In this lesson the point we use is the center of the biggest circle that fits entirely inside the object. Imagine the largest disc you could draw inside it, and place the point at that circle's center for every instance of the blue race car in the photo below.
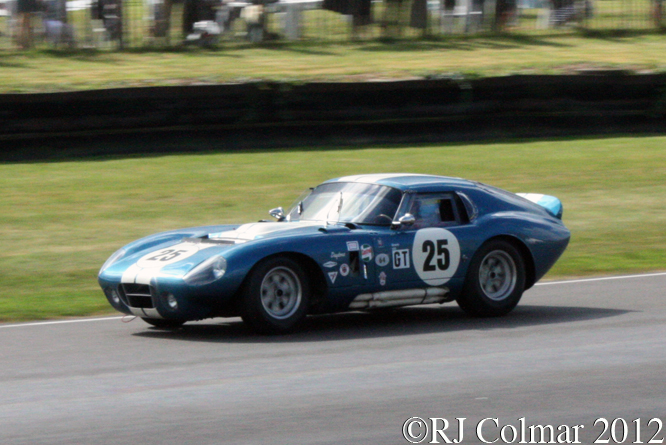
(353, 243)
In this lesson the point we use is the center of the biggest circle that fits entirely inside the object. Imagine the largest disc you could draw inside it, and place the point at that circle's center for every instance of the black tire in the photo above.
(275, 296)
(163, 323)
(495, 280)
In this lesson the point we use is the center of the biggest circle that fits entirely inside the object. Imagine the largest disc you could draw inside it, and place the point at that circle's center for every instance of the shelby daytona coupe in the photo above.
(353, 243)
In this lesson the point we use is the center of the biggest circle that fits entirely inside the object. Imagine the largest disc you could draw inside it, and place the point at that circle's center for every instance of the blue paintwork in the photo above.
(324, 247)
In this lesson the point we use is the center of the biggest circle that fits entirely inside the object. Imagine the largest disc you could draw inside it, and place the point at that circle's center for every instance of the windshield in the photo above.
(348, 202)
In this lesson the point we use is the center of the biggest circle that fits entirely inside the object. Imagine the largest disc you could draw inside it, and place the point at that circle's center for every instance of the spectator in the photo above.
(56, 29)
(197, 11)
(505, 12)
(26, 10)
(162, 18)
(657, 13)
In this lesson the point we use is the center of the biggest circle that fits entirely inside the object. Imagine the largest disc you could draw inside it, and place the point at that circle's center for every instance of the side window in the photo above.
(446, 212)
(467, 211)
(434, 210)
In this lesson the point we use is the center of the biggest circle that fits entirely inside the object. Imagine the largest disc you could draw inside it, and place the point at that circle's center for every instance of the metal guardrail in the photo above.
(271, 115)
(512, 98)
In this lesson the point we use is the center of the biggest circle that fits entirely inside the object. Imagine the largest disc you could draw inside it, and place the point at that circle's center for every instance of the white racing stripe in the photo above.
(143, 271)
(548, 283)
(373, 178)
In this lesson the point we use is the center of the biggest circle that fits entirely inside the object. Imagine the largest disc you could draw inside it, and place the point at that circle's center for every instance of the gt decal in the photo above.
(167, 256)
(436, 254)
(401, 259)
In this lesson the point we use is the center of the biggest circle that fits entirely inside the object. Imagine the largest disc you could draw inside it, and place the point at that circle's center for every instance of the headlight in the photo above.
(112, 295)
(170, 300)
(112, 259)
(210, 270)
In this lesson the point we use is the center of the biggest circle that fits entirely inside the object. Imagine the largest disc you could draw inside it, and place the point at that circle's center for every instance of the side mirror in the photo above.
(406, 220)
(277, 213)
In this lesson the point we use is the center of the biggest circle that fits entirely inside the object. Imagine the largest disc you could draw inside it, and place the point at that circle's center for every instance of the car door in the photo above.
(425, 250)
(351, 261)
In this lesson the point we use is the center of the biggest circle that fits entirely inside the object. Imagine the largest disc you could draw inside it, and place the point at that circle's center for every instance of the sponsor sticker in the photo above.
(352, 246)
(338, 255)
(330, 264)
(382, 279)
(344, 269)
(333, 276)
(382, 260)
(401, 258)
(366, 253)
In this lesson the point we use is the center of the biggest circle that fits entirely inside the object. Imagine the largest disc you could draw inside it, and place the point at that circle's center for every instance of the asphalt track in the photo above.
(571, 353)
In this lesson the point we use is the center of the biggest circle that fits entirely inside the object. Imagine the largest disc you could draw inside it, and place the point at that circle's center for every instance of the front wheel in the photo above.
(275, 296)
(495, 280)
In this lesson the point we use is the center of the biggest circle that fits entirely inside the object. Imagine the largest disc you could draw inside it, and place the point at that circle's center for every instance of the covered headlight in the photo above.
(112, 295)
(112, 259)
(210, 270)
(170, 300)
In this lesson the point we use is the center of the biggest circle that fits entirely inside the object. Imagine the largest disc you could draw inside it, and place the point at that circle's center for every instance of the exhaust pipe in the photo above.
(406, 297)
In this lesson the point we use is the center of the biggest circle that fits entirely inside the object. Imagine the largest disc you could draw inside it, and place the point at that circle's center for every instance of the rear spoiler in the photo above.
(550, 203)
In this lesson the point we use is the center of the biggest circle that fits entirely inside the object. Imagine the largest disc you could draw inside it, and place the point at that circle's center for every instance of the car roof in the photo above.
(409, 181)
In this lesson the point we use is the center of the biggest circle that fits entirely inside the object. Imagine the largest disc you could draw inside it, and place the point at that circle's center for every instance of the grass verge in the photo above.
(47, 70)
(60, 220)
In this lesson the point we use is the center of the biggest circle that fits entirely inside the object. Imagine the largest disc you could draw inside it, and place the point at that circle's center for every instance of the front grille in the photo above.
(138, 295)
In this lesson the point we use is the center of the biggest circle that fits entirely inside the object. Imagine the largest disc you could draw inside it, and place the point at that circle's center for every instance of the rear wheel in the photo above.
(275, 297)
(163, 323)
(495, 280)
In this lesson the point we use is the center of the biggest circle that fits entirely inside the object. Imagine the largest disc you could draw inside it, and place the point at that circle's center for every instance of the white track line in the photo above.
(588, 280)
(44, 323)
(547, 283)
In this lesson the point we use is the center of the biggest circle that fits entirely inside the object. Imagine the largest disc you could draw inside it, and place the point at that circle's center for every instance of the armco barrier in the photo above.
(505, 104)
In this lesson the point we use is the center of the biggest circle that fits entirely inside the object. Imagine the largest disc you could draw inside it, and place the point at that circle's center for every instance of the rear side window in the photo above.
(435, 210)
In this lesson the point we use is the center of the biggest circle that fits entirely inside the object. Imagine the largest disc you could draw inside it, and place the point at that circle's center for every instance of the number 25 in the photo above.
(442, 252)
(166, 255)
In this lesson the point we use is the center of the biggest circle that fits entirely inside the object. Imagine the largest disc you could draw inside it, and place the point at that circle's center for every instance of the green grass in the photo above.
(45, 70)
(60, 220)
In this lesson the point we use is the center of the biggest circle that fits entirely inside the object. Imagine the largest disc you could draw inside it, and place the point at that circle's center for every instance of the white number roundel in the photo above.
(170, 255)
(436, 255)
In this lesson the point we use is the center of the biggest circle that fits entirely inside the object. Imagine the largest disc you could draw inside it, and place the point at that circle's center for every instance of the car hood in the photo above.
(260, 230)
(177, 255)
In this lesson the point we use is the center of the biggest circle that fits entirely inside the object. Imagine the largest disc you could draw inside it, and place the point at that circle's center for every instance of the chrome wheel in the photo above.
(495, 280)
(281, 293)
(275, 297)
(497, 275)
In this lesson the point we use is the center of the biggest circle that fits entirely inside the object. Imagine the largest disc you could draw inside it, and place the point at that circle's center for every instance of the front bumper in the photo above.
(161, 302)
